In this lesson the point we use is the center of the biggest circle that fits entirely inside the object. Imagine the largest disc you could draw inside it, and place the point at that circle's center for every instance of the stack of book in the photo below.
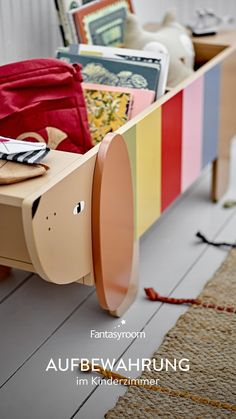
(118, 83)
(98, 22)
(65, 10)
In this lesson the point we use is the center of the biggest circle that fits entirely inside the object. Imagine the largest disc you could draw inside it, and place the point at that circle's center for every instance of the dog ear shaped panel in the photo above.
(82, 221)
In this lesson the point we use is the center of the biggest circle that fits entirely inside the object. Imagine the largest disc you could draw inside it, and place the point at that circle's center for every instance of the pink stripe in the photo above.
(192, 132)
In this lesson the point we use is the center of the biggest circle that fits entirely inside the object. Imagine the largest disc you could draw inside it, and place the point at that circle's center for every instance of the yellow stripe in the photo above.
(148, 169)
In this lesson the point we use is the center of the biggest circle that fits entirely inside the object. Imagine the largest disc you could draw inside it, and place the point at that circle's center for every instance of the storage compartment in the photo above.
(12, 243)
(206, 52)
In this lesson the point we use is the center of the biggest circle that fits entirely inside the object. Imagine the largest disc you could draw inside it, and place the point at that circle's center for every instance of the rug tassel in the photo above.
(154, 296)
(126, 381)
(216, 244)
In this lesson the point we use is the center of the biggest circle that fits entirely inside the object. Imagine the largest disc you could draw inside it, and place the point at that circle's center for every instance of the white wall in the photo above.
(152, 10)
(28, 28)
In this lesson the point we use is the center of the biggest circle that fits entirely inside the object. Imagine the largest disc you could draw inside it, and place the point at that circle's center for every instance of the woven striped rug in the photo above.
(207, 337)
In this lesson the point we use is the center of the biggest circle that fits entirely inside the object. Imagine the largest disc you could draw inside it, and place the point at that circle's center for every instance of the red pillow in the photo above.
(42, 100)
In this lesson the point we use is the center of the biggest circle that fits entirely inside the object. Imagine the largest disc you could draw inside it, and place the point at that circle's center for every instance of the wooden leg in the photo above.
(220, 177)
(227, 127)
(5, 271)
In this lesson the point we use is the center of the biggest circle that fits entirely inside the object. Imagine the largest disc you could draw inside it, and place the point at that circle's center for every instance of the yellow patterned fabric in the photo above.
(107, 111)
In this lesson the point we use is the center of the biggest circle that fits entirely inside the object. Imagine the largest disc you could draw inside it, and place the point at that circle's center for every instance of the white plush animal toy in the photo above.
(173, 36)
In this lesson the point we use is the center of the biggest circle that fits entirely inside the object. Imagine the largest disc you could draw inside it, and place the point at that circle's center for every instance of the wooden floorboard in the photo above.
(30, 316)
(165, 317)
(42, 321)
(9, 285)
(104, 398)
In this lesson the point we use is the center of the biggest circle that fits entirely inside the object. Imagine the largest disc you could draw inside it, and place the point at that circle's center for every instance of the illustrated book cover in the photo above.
(115, 72)
(142, 98)
(103, 22)
(107, 111)
(161, 60)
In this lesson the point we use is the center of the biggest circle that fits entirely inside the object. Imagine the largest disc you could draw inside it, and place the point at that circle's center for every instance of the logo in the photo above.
(117, 334)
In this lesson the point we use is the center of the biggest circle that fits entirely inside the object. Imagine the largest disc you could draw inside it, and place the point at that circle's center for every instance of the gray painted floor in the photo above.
(40, 321)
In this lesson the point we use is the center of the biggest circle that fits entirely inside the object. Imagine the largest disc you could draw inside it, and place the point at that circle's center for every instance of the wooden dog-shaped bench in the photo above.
(82, 221)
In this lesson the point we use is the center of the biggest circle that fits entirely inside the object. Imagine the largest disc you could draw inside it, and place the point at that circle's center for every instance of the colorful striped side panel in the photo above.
(169, 147)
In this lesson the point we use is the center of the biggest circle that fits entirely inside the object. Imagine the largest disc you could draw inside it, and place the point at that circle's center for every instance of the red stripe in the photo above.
(171, 149)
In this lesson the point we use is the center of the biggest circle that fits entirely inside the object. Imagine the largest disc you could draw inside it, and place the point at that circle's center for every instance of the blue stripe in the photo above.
(211, 115)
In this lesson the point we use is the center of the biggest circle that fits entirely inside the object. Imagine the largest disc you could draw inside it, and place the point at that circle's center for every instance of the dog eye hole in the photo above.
(79, 208)
(182, 59)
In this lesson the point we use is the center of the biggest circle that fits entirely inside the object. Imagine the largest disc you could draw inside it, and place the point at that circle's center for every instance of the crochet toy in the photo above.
(171, 35)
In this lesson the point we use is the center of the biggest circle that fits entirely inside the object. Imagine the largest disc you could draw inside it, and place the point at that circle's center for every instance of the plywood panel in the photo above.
(148, 170)
(59, 236)
(211, 115)
(12, 242)
(192, 132)
(171, 150)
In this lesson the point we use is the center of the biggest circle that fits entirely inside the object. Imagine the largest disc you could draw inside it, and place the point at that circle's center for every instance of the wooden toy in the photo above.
(82, 221)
